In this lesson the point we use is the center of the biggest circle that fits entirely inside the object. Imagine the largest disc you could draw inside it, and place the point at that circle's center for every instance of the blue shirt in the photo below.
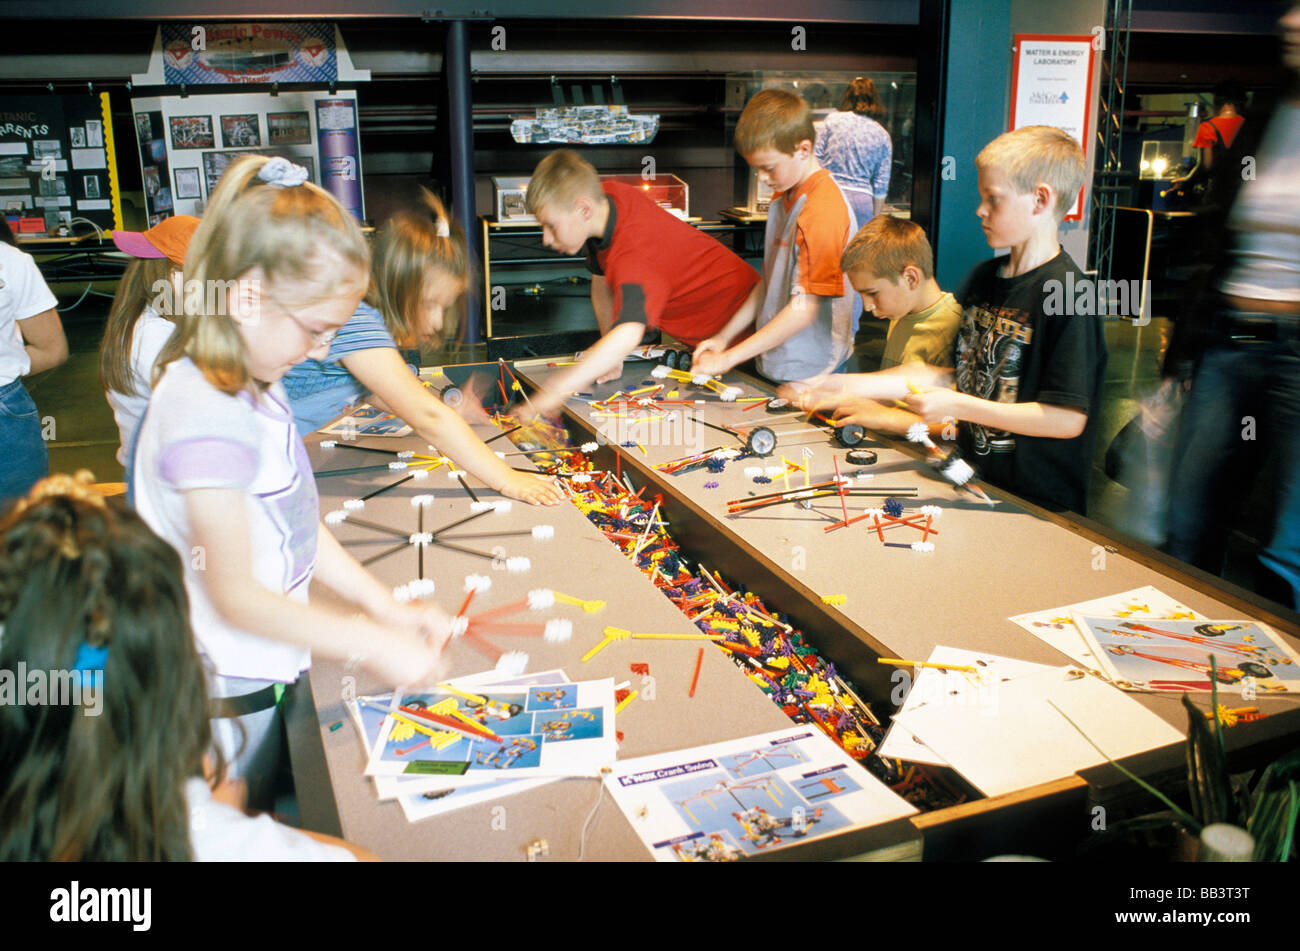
(857, 151)
(320, 391)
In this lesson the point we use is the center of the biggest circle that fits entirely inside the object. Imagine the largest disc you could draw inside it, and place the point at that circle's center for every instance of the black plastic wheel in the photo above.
(761, 441)
(684, 359)
(452, 395)
(1215, 630)
(1254, 670)
(777, 405)
(860, 457)
(850, 435)
(669, 359)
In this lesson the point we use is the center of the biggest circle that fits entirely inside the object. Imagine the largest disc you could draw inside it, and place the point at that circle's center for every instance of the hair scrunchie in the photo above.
(282, 173)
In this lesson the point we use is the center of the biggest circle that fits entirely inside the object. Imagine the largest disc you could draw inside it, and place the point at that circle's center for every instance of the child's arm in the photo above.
(44, 340)
(401, 653)
(1045, 420)
(604, 355)
(713, 347)
(876, 416)
(383, 372)
(831, 390)
(795, 316)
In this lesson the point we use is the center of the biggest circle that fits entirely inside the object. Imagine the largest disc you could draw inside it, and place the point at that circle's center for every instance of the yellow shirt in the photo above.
(928, 335)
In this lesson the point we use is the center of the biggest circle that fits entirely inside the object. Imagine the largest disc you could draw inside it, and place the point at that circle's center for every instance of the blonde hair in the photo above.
(297, 235)
(886, 245)
(138, 287)
(774, 119)
(1038, 154)
(560, 179)
(409, 252)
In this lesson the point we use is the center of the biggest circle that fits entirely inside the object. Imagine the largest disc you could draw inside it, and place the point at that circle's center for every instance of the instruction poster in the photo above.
(724, 801)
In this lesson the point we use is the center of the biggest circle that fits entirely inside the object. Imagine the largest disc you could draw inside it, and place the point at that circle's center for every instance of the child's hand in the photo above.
(818, 393)
(404, 656)
(532, 489)
(868, 414)
(710, 357)
(613, 374)
(938, 405)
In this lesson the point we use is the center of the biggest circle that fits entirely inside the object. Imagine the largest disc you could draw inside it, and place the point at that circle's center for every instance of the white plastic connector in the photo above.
(421, 538)
(543, 532)
(924, 547)
(418, 474)
(589, 447)
(660, 372)
(335, 517)
(421, 587)
(512, 663)
(500, 454)
(477, 582)
(353, 505)
(539, 599)
(421, 501)
(397, 466)
(459, 625)
(752, 471)
(582, 477)
(518, 564)
(502, 506)
(700, 379)
(328, 443)
(730, 394)
(481, 506)
(558, 630)
(931, 510)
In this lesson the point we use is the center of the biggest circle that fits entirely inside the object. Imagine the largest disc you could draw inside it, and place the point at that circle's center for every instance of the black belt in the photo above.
(221, 708)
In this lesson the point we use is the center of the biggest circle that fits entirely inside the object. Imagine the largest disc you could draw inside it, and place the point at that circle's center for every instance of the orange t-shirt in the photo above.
(821, 233)
(1228, 127)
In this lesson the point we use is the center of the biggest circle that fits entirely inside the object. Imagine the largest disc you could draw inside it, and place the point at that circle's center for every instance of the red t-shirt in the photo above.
(1228, 127)
(664, 273)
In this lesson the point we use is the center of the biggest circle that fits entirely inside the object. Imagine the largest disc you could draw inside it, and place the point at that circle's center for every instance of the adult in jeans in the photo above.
(1244, 406)
(857, 150)
(31, 340)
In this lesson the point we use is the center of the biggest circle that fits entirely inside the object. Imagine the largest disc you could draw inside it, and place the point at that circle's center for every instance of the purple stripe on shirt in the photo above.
(208, 463)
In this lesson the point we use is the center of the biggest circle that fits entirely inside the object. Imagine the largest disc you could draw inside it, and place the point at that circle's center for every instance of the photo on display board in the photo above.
(240, 132)
(47, 148)
(152, 184)
(288, 128)
(77, 135)
(143, 127)
(187, 183)
(192, 132)
(216, 163)
(94, 134)
(91, 184)
(53, 187)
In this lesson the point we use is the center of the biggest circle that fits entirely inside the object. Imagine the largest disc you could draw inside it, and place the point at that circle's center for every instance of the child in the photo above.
(1028, 378)
(649, 269)
(419, 268)
(31, 340)
(110, 768)
(136, 328)
(890, 263)
(222, 474)
(810, 311)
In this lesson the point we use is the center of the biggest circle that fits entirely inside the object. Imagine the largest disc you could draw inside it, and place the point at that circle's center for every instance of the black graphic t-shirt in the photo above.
(1010, 350)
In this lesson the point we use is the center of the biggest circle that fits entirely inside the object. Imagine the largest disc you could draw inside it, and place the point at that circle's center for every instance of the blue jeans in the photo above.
(25, 458)
(1219, 452)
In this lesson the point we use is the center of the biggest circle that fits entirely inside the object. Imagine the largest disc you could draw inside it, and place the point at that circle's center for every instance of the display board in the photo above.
(57, 163)
(186, 142)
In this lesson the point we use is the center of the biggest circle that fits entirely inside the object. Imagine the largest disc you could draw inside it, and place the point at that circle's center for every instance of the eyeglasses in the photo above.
(318, 339)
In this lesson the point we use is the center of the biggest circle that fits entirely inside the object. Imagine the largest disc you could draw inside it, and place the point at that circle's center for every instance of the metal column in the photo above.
(460, 135)
(1110, 132)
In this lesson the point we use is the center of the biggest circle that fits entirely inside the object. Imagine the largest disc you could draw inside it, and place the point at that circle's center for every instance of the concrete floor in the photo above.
(86, 435)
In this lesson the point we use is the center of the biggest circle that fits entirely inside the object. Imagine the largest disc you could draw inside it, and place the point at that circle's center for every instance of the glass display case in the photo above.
(666, 190)
(824, 92)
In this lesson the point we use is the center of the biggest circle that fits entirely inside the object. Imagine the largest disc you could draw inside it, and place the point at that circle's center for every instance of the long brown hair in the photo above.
(78, 569)
(407, 255)
(299, 236)
(138, 287)
(861, 98)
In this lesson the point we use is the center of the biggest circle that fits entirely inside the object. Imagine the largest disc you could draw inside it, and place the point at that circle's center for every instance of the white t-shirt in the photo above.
(196, 437)
(221, 833)
(23, 294)
(150, 333)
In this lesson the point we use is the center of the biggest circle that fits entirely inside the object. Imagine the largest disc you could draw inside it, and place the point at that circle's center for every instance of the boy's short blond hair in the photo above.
(774, 119)
(560, 179)
(1038, 153)
(885, 245)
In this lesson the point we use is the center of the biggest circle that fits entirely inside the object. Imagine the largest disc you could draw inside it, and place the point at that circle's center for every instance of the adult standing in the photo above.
(31, 340)
(857, 150)
(1244, 405)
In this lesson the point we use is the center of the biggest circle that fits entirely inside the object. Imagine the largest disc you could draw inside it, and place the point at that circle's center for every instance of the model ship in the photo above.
(587, 125)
